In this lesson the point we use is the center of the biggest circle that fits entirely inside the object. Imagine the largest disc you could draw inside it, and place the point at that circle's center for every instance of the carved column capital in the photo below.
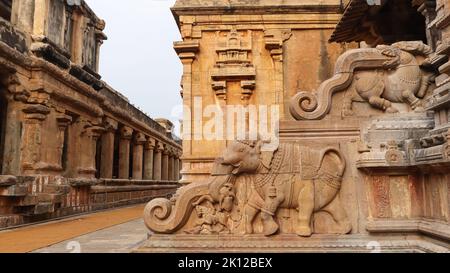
(15, 88)
(63, 120)
(94, 131)
(110, 124)
(140, 139)
(159, 147)
(167, 150)
(36, 112)
(150, 144)
(274, 40)
(126, 132)
(187, 50)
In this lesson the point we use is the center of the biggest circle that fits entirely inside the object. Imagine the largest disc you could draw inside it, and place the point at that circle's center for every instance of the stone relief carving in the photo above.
(393, 140)
(234, 63)
(249, 181)
(380, 76)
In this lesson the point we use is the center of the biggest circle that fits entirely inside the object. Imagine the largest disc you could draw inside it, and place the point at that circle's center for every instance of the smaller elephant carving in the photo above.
(401, 80)
(381, 76)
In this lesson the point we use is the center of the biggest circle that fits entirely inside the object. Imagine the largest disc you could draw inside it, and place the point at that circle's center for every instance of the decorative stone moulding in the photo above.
(380, 76)
(233, 64)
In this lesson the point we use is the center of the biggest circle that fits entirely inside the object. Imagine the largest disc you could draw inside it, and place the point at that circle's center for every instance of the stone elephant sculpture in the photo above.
(404, 81)
(290, 176)
(293, 177)
(380, 76)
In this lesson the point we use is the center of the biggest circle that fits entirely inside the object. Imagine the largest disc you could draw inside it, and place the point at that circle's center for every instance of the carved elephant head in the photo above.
(243, 156)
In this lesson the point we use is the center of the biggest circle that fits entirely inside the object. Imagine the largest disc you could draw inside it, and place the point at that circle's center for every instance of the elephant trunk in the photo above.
(163, 217)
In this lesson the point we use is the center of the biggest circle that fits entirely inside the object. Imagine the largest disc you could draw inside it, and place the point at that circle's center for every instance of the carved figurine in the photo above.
(403, 82)
(380, 76)
(291, 176)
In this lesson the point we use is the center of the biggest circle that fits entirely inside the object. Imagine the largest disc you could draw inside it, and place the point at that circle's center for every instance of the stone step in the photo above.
(13, 191)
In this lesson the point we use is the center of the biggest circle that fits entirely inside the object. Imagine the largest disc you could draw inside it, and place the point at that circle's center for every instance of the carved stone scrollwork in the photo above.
(379, 76)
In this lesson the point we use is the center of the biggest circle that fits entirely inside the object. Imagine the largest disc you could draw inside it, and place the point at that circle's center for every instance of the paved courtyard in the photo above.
(114, 231)
(117, 239)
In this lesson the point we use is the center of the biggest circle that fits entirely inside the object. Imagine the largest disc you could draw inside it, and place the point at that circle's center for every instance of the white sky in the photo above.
(138, 59)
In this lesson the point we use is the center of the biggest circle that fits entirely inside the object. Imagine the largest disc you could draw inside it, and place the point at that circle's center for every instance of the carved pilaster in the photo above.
(33, 135)
(428, 10)
(15, 87)
(274, 41)
(63, 121)
(88, 145)
(187, 52)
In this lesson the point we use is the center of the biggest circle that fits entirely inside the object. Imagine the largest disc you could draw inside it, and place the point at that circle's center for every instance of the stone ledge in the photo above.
(109, 189)
(425, 226)
(290, 244)
(7, 180)
(239, 6)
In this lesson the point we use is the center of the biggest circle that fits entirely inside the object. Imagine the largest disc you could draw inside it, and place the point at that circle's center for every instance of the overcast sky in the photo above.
(138, 59)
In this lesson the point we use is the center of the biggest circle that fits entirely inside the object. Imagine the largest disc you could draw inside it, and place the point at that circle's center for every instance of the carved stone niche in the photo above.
(380, 76)
(254, 191)
(233, 63)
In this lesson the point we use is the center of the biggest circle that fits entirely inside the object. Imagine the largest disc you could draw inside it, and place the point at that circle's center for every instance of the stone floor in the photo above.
(117, 239)
(117, 230)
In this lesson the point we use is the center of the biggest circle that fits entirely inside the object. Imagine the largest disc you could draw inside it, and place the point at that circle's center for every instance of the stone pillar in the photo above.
(149, 149)
(106, 167)
(32, 135)
(124, 152)
(165, 165)
(88, 147)
(176, 167)
(171, 164)
(180, 164)
(63, 123)
(23, 14)
(138, 153)
(157, 161)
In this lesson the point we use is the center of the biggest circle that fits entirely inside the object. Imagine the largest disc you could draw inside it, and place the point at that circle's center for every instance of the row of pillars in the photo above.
(151, 159)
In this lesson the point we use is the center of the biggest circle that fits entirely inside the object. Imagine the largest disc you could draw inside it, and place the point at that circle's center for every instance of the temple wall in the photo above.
(282, 49)
(385, 109)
